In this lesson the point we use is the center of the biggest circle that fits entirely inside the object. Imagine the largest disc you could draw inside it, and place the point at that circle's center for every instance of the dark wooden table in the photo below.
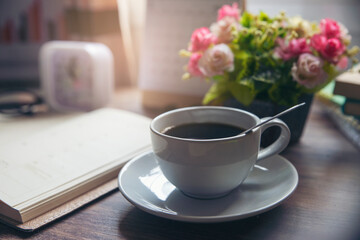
(326, 204)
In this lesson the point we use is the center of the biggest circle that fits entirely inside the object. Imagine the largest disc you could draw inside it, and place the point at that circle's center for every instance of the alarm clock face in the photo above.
(72, 72)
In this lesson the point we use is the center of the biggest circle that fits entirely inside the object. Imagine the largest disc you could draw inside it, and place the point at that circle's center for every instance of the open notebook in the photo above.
(44, 170)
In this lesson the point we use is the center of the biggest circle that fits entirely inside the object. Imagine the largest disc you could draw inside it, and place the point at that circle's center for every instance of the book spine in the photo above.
(349, 90)
(352, 107)
(348, 83)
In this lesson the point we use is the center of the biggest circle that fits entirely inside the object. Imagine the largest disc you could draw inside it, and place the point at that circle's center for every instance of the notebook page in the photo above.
(44, 161)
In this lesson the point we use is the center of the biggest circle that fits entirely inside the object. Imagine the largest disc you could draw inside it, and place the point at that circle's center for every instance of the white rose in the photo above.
(308, 70)
(224, 28)
(216, 60)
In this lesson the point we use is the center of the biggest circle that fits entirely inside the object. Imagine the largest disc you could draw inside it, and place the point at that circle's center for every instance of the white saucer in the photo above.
(143, 184)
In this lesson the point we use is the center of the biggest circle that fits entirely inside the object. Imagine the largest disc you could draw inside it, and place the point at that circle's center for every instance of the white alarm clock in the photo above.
(76, 75)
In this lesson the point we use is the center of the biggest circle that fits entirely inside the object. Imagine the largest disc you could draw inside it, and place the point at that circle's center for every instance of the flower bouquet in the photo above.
(276, 59)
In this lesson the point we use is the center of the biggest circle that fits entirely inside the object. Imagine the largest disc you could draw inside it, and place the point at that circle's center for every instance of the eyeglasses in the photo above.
(22, 102)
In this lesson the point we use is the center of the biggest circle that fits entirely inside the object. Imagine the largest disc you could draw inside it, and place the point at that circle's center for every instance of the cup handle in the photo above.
(280, 143)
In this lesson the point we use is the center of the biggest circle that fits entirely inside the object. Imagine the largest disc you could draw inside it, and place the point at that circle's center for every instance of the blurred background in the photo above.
(129, 28)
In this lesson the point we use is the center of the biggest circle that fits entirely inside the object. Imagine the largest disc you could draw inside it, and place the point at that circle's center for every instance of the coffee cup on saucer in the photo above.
(203, 151)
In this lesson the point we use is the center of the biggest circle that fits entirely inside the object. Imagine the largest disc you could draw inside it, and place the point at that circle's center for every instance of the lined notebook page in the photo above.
(45, 162)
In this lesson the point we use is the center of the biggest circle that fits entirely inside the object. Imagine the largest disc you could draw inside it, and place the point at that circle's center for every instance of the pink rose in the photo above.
(282, 51)
(343, 63)
(318, 42)
(330, 28)
(333, 49)
(223, 29)
(230, 11)
(308, 70)
(330, 49)
(201, 39)
(293, 49)
(298, 46)
(193, 67)
(216, 60)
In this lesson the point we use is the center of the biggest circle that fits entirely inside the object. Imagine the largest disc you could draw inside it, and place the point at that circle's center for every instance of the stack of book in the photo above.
(348, 85)
(341, 102)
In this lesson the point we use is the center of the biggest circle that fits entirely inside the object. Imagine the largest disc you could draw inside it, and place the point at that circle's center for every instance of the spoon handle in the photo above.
(277, 115)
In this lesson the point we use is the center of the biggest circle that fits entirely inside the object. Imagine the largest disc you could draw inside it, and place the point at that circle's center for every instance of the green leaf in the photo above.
(246, 19)
(287, 94)
(245, 41)
(217, 93)
(264, 17)
(243, 70)
(217, 78)
(241, 55)
(247, 66)
(243, 93)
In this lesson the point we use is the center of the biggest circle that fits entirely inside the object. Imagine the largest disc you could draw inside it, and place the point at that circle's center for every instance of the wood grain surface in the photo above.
(326, 204)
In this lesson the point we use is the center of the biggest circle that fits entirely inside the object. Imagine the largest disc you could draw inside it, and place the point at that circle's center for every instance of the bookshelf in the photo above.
(26, 25)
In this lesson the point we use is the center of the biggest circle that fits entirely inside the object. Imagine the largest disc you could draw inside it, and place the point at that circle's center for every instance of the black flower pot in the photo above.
(295, 120)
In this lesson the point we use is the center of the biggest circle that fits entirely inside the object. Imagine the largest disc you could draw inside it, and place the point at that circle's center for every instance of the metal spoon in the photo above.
(269, 119)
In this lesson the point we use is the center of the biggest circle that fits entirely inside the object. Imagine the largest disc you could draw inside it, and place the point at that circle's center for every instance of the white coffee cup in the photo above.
(210, 168)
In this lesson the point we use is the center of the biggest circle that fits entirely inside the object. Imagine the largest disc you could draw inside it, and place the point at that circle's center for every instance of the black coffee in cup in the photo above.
(203, 130)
